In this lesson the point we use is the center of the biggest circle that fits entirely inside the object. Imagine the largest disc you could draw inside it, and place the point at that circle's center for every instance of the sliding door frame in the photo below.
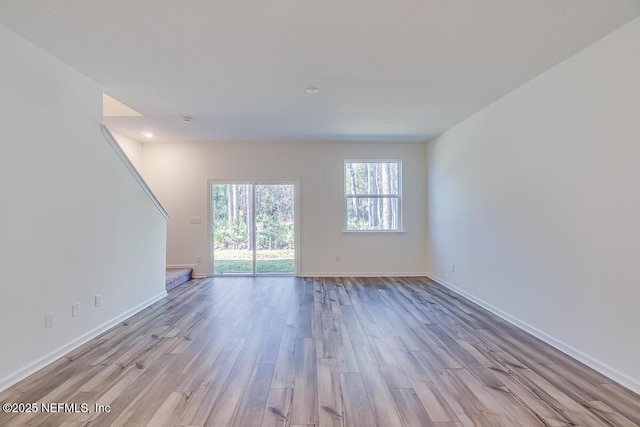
(296, 226)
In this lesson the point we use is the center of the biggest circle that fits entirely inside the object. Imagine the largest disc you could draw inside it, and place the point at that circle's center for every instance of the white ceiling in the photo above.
(387, 70)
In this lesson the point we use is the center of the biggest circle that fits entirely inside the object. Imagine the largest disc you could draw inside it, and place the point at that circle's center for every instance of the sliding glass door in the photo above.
(232, 224)
(274, 236)
(252, 228)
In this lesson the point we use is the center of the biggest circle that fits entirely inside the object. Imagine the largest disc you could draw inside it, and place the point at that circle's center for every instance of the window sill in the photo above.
(373, 231)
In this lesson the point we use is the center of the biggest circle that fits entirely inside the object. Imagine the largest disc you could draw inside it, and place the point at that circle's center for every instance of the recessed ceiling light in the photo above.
(313, 90)
(147, 134)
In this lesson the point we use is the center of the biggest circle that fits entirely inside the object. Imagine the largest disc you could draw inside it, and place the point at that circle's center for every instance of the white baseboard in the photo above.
(367, 274)
(23, 373)
(193, 266)
(609, 372)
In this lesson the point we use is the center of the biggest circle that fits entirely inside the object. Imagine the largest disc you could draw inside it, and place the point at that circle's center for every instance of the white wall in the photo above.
(132, 148)
(178, 173)
(73, 221)
(536, 201)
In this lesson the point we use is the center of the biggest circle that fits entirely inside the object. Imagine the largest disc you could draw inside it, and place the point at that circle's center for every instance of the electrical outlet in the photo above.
(453, 268)
(337, 259)
(75, 310)
(48, 320)
(198, 260)
(98, 300)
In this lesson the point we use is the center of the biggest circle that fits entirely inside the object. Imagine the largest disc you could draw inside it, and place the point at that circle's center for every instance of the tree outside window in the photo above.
(373, 195)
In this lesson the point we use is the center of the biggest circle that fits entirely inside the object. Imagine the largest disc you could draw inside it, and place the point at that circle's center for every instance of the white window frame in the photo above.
(347, 197)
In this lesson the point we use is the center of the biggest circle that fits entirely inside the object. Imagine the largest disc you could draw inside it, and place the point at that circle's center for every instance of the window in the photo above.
(372, 195)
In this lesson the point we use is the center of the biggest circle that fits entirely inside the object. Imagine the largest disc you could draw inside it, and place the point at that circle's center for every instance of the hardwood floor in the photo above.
(284, 351)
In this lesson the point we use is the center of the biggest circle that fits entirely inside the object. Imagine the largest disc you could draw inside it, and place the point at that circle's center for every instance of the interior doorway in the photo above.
(253, 229)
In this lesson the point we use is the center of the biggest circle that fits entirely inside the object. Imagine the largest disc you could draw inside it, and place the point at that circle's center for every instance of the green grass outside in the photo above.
(240, 261)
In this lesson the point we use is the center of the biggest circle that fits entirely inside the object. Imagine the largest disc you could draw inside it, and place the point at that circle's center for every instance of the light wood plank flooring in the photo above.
(284, 351)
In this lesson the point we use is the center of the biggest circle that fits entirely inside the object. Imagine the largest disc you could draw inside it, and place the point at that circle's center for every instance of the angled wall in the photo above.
(73, 223)
(534, 205)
